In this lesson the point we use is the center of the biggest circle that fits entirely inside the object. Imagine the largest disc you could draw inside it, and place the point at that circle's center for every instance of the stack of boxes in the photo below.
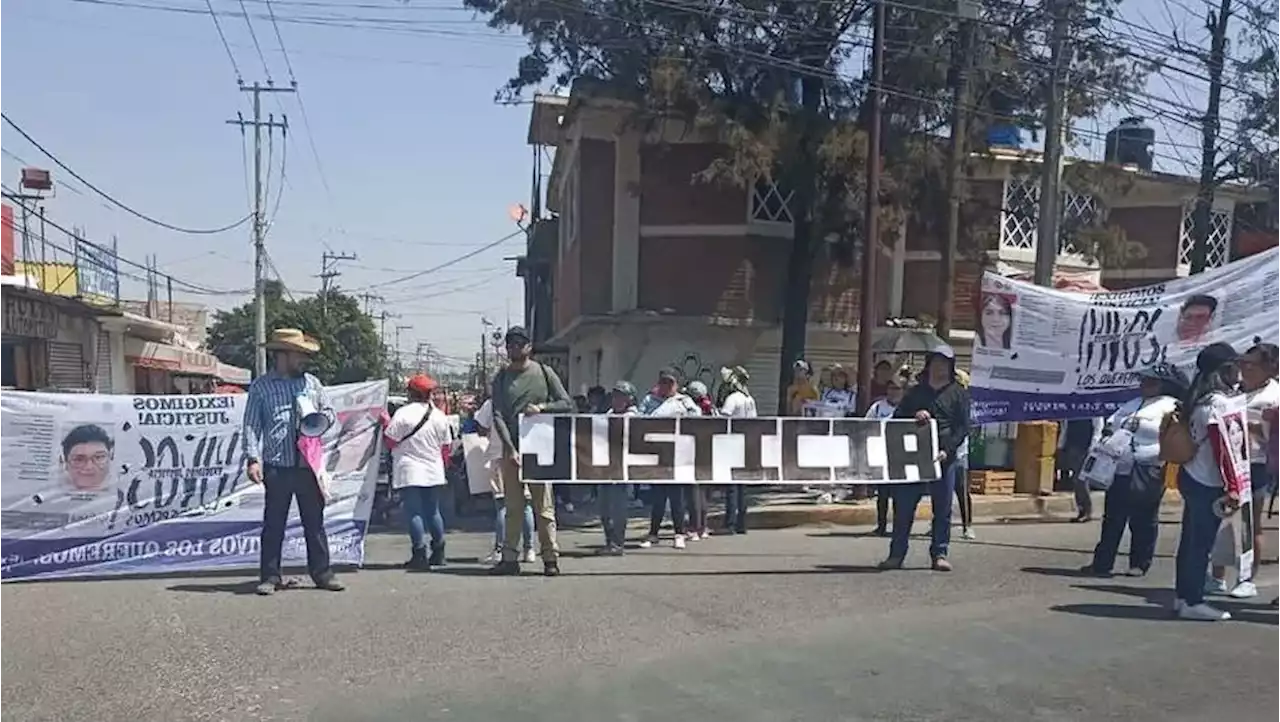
(1034, 457)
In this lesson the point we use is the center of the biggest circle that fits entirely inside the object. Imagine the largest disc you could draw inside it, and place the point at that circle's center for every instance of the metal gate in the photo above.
(102, 366)
(66, 366)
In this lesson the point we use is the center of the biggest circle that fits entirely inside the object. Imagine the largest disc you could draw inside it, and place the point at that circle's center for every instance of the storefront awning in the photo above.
(234, 374)
(156, 355)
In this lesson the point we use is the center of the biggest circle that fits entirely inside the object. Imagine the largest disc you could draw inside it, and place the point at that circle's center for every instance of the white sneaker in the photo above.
(968, 535)
(825, 498)
(1215, 586)
(529, 557)
(679, 541)
(648, 542)
(1244, 590)
(695, 537)
(1202, 613)
(494, 557)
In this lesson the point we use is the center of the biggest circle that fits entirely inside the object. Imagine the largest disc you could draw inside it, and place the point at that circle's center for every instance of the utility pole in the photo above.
(1209, 130)
(258, 225)
(871, 222)
(399, 365)
(369, 299)
(328, 272)
(956, 154)
(1051, 168)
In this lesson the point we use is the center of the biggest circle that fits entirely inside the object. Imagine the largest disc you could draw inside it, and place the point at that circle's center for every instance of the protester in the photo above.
(1262, 397)
(697, 502)
(598, 400)
(666, 400)
(841, 392)
(525, 387)
(484, 420)
(271, 431)
(939, 397)
(1134, 497)
(1075, 438)
(613, 497)
(738, 404)
(964, 495)
(801, 390)
(418, 435)
(884, 408)
(1202, 481)
(881, 375)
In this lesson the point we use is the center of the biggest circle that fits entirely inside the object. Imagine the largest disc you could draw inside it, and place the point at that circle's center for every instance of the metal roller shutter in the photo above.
(66, 366)
(763, 369)
(102, 368)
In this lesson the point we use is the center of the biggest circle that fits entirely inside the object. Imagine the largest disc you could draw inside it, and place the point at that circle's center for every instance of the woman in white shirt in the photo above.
(666, 400)
(1208, 482)
(419, 434)
(738, 403)
(840, 393)
(1134, 497)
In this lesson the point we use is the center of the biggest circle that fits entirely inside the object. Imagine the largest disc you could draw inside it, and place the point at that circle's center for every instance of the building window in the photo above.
(1219, 236)
(770, 203)
(1020, 216)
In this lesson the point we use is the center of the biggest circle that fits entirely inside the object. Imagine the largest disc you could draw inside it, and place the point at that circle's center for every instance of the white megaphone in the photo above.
(311, 421)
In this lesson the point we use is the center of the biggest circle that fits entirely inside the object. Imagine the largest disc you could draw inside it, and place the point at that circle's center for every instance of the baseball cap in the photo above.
(668, 374)
(517, 333)
(421, 383)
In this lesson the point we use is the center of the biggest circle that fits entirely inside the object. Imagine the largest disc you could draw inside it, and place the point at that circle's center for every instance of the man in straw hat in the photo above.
(277, 404)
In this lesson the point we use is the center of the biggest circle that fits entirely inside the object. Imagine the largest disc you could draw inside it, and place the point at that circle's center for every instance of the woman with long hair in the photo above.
(1134, 497)
(1208, 482)
(995, 321)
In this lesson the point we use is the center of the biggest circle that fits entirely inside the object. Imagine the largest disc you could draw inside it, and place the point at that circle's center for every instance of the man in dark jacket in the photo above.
(941, 398)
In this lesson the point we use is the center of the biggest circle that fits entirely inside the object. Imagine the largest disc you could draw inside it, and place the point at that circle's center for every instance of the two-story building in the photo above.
(644, 265)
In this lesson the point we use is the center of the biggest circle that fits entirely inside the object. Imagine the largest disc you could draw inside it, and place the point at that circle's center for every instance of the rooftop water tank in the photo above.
(1131, 144)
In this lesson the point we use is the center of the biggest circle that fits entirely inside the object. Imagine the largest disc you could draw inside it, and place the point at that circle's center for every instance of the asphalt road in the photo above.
(774, 626)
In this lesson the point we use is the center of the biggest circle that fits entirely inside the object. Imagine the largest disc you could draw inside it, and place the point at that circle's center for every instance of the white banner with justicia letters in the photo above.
(119, 484)
(1041, 353)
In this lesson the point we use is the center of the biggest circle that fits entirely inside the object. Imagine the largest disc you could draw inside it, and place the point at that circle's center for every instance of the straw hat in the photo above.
(291, 339)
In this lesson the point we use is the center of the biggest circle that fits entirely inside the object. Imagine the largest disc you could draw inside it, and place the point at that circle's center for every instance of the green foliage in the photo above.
(350, 349)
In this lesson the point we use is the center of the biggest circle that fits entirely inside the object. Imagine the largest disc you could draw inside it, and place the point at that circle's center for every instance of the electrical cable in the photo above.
(227, 46)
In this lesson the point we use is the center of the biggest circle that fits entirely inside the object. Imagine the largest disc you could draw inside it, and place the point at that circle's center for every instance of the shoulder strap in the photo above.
(546, 379)
(421, 423)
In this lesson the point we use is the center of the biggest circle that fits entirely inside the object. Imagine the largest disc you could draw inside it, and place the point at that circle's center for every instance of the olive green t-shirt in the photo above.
(515, 390)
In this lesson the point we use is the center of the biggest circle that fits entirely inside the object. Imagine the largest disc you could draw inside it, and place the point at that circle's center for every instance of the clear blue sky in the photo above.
(422, 165)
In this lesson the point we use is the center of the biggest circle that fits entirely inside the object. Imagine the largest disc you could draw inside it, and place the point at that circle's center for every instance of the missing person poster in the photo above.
(117, 484)
(1041, 353)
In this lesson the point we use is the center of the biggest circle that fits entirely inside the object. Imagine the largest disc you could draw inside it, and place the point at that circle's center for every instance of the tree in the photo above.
(350, 349)
(770, 78)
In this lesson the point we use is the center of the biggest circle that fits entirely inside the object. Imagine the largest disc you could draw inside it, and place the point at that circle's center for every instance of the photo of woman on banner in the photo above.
(1195, 318)
(995, 320)
(87, 453)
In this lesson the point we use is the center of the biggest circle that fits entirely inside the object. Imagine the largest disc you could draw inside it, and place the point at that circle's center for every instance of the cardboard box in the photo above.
(1034, 476)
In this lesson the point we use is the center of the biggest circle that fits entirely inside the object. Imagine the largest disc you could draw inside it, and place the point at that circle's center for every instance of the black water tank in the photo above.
(1131, 144)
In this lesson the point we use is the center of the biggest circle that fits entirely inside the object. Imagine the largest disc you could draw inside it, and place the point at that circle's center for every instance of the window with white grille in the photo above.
(1219, 236)
(1020, 217)
(770, 203)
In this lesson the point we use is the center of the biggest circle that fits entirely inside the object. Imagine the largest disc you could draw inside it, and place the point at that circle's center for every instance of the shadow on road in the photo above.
(1071, 572)
(1115, 611)
(1041, 548)
(241, 589)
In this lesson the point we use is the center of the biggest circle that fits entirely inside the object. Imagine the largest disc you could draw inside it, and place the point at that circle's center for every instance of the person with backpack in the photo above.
(419, 435)
(526, 387)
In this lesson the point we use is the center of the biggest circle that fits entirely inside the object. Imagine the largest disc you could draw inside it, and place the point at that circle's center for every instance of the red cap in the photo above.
(422, 384)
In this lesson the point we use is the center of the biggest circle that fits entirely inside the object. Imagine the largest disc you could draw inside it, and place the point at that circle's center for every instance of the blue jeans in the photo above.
(1199, 531)
(422, 512)
(906, 497)
(500, 524)
(614, 513)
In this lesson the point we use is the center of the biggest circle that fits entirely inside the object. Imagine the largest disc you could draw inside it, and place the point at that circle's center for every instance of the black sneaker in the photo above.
(890, 564)
(505, 568)
(437, 555)
(881, 530)
(551, 569)
(1092, 571)
(417, 562)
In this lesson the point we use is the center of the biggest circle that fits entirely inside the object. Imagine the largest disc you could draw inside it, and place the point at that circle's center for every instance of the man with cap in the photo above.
(525, 387)
(613, 497)
(941, 398)
(274, 411)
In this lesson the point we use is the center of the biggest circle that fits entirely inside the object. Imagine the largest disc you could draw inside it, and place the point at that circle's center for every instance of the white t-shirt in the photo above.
(419, 460)
(1142, 418)
(1259, 401)
(740, 405)
(843, 398)
(484, 417)
(676, 405)
(1204, 467)
(881, 409)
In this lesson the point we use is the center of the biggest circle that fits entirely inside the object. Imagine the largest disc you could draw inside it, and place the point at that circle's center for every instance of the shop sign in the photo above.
(30, 318)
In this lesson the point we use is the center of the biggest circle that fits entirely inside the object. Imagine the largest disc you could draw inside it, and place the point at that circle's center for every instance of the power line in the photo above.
(227, 46)
(253, 35)
(109, 197)
(442, 266)
(280, 39)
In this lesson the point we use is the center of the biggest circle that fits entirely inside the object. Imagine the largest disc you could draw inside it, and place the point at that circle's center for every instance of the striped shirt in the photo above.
(271, 416)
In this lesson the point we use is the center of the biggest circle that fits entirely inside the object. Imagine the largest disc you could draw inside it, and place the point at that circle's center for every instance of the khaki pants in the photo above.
(544, 514)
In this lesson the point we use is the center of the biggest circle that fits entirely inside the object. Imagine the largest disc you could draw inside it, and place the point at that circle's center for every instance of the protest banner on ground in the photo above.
(719, 450)
(1041, 353)
(119, 484)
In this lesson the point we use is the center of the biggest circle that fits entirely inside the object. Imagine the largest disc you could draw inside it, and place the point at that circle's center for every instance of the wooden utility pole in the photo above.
(1051, 169)
(258, 227)
(871, 221)
(1209, 130)
(960, 63)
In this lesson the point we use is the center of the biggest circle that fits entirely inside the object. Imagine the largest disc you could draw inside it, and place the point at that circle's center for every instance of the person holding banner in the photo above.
(484, 420)
(1212, 478)
(274, 413)
(885, 408)
(420, 436)
(1262, 397)
(1137, 489)
(613, 497)
(938, 397)
(738, 404)
(525, 386)
(666, 400)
